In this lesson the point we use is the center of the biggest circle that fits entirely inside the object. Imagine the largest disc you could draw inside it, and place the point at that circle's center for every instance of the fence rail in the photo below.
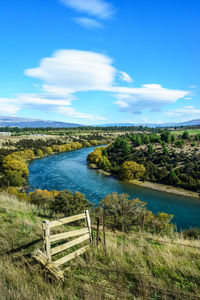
(51, 249)
(65, 235)
(67, 220)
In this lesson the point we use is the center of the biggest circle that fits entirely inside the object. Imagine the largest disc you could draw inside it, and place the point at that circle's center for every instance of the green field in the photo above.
(191, 131)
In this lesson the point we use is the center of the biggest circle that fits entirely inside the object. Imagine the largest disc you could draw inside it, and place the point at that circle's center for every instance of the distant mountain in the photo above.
(174, 124)
(33, 123)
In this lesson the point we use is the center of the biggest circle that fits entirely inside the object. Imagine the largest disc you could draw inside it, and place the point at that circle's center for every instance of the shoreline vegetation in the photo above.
(162, 162)
(14, 164)
(151, 185)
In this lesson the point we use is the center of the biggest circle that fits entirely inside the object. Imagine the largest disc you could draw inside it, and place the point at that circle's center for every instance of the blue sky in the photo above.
(100, 61)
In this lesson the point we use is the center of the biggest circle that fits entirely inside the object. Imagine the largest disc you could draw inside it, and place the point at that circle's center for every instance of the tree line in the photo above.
(153, 157)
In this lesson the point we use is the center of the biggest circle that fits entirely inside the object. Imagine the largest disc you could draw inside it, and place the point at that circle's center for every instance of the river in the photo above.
(69, 171)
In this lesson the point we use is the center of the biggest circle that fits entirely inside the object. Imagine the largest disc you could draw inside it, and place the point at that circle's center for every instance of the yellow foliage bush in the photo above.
(131, 170)
(15, 163)
(94, 142)
(49, 150)
(55, 148)
(96, 155)
(39, 152)
(62, 148)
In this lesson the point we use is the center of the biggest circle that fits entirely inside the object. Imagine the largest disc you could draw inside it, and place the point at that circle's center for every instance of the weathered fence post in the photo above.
(46, 235)
(142, 224)
(97, 231)
(89, 224)
(104, 236)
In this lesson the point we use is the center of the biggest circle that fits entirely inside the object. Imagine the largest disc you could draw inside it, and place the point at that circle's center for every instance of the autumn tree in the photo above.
(39, 152)
(15, 163)
(131, 170)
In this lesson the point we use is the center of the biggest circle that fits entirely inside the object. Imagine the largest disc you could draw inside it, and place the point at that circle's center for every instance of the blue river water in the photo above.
(70, 171)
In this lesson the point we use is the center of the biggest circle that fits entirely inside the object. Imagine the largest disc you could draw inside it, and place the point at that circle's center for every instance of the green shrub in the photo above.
(14, 178)
(121, 212)
(67, 203)
(192, 233)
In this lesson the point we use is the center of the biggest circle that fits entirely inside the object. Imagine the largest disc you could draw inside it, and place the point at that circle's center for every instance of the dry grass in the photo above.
(138, 265)
(135, 267)
(15, 139)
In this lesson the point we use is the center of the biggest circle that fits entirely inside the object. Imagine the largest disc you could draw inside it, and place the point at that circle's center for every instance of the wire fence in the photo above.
(171, 242)
(167, 242)
(131, 294)
(153, 286)
(135, 277)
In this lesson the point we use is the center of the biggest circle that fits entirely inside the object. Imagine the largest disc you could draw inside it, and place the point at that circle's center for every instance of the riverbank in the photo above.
(93, 166)
(165, 188)
(152, 185)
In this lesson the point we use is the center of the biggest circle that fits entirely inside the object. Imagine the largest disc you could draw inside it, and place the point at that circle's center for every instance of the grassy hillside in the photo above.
(136, 266)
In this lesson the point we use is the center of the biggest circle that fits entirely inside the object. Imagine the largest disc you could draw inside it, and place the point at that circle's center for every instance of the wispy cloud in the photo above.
(72, 113)
(192, 86)
(88, 23)
(8, 106)
(186, 111)
(148, 96)
(94, 12)
(96, 8)
(125, 77)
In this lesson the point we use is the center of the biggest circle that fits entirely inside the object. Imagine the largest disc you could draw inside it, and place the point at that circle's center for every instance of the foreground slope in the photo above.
(135, 266)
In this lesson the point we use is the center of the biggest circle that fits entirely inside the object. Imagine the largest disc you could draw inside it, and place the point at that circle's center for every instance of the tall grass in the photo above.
(135, 266)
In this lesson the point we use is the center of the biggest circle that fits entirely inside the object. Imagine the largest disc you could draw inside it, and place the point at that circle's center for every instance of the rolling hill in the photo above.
(33, 123)
(173, 124)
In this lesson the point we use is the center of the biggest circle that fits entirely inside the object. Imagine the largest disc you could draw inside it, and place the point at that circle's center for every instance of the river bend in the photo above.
(69, 171)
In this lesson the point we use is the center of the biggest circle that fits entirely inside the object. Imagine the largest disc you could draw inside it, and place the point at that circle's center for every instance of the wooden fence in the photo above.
(50, 249)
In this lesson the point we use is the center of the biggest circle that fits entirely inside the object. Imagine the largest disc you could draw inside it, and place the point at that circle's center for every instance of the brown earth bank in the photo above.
(154, 186)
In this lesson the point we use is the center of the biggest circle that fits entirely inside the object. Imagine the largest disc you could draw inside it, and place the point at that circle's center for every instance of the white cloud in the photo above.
(98, 8)
(59, 91)
(70, 71)
(88, 23)
(41, 99)
(72, 113)
(187, 98)
(189, 107)
(192, 86)
(62, 75)
(186, 111)
(125, 77)
(75, 71)
(7, 107)
(38, 101)
(148, 96)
